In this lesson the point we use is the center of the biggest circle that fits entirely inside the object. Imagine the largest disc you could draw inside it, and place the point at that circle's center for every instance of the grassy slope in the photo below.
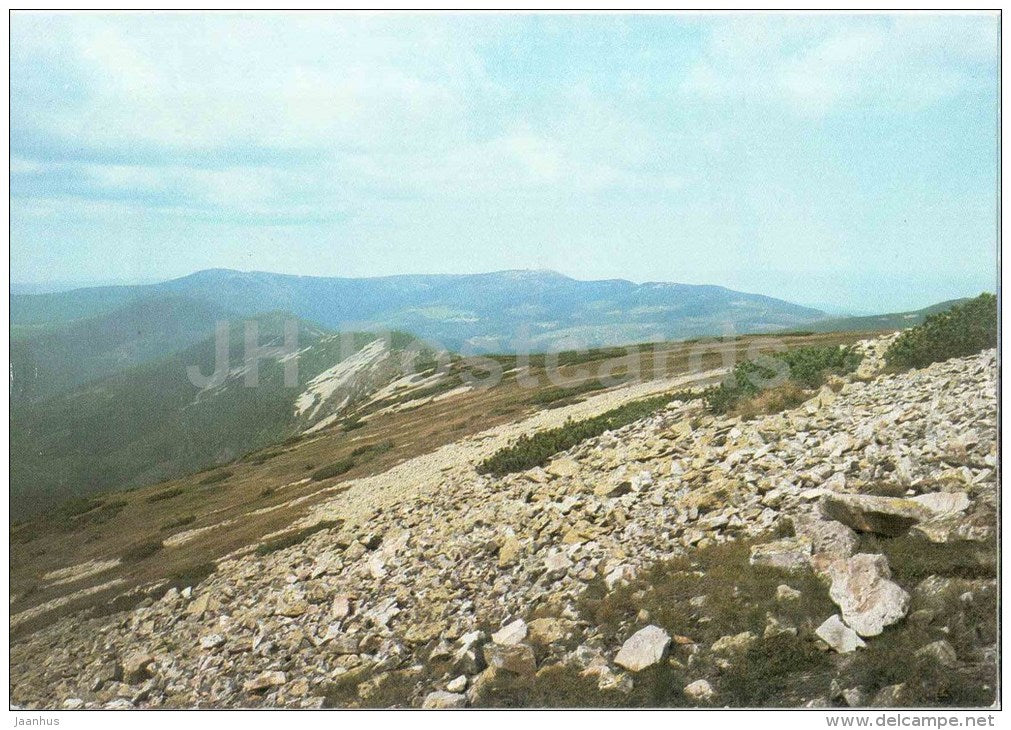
(256, 491)
(150, 422)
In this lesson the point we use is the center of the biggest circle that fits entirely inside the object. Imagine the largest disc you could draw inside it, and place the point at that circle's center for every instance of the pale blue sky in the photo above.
(839, 160)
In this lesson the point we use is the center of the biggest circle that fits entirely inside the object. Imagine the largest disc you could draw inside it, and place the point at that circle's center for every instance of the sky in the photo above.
(847, 161)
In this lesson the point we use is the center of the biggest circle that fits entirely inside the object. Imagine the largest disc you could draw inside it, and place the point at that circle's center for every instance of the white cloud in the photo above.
(816, 64)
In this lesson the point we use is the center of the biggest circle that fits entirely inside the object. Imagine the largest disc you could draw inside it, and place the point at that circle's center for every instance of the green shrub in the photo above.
(263, 457)
(79, 506)
(359, 455)
(341, 466)
(81, 513)
(167, 494)
(371, 450)
(806, 366)
(552, 395)
(142, 550)
(192, 576)
(352, 424)
(537, 449)
(216, 477)
(963, 330)
(296, 538)
(179, 522)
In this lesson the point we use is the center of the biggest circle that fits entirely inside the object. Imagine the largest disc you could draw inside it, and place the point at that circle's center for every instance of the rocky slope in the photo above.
(459, 595)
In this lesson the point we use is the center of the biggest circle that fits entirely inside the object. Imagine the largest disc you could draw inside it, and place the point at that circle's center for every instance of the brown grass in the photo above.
(773, 400)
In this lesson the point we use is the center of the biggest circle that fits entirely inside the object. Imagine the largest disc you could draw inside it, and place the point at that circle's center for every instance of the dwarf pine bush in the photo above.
(963, 330)
(806, 367)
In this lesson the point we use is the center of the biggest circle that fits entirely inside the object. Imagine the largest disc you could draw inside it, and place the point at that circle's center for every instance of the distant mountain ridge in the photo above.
(496, 311)
(879, 322)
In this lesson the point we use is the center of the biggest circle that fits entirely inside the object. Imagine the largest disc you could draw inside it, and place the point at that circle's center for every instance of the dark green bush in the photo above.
(963, 330)
(358, 456)
(167, 494)
(537, 449)
(216, 477)
(341, 466)
(191, 576)
(79, 506)
(79, 514)
(141, 550)
(179, 522)
(296, 538)
(371, 450)
(806, 366)
(552, 395)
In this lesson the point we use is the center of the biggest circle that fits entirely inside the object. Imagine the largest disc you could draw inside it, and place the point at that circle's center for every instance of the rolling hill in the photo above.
(482, 312)
(150, 422)
(880, 322)
(49, 358)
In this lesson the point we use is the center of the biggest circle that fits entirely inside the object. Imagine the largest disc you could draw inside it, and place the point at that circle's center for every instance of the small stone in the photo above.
(137, 667)
(827, 537)
(544, 631)
(790, 553)
(610, 491)
(621, 575)
(642, 649)
(440, 700)
(854, 697)
(265, 681)
(869, 601)
(941, 651)
(511, 634)
(838, 635)
(700, 690)
(199, 605)
(610, 681)
(563, 467)
(457, 685)
(73, 703)
(211, 641)
(508, 551)
(944, 503)
(734, 644)
(341, 606)
(517, 659)
(557, 563)
(786, 593)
